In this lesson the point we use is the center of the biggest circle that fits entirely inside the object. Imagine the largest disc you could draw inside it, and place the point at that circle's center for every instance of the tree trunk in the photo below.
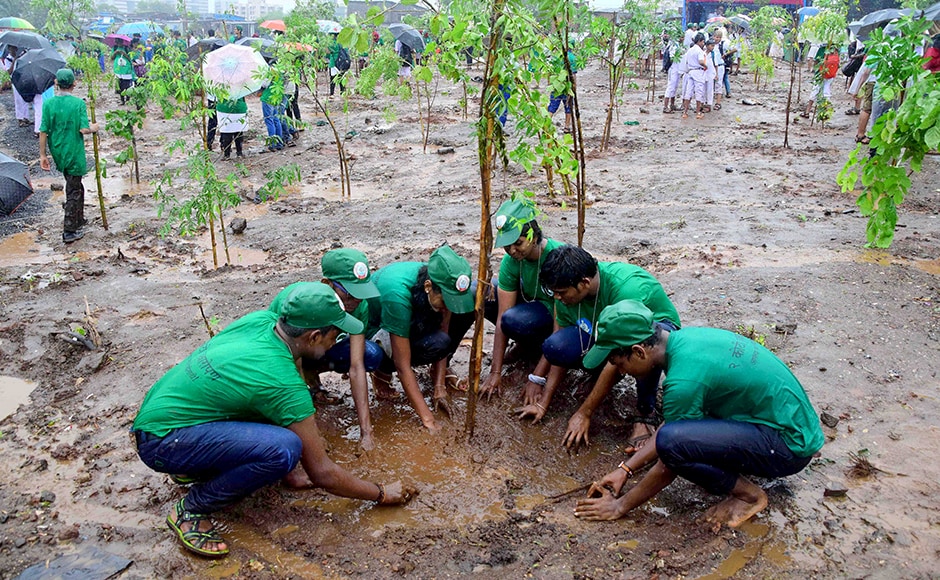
(215, 256)
(94, 145)
(136, 159)
(228, 258)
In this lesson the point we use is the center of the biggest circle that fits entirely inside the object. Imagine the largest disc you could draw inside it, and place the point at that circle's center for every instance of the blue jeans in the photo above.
(274, 123)
(727, 81)
(529, 322)
(338, 357)
(503, 105)
(434, 346)
(712, 453)
(232, 458)
(567, 347)
(557, 100)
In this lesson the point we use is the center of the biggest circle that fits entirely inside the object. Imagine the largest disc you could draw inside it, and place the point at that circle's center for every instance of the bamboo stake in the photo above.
(793, 54)
(94, 146)
(228, 258)
(215, 257)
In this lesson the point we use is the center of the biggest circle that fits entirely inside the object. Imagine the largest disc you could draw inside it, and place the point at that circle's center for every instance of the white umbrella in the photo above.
(238, 68)
(329, 26)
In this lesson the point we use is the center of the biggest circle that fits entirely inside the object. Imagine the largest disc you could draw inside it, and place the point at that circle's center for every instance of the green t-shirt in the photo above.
(63, 117)
(123, 67)
(233, 107)
(523, 276)
(361, 313)
(244, 373)
(713, 373)
(620, 281)
(391, 311)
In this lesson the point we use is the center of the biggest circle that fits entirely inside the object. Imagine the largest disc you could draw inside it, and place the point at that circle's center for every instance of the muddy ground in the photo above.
(743, 233)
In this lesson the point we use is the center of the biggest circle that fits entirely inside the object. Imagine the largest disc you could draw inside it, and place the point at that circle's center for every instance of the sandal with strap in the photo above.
(863, 139)
(194, 539)
(853, 111)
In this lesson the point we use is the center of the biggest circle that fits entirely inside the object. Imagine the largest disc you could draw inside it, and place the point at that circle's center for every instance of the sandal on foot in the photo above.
(717, 107)
(863, 139)
(668, 111)
(452, 381)
(699, 115)
(182, 479)
(853, 111)
(193, 539)
(635, 444)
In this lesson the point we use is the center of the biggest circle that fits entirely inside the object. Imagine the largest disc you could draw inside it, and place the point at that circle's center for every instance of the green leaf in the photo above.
(424, 74)
(408, 2)
(345, 36)
(932, 137)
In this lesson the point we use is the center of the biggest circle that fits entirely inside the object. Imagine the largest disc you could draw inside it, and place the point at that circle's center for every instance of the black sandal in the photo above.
(853, 111)
(194, 539)
(864, 139)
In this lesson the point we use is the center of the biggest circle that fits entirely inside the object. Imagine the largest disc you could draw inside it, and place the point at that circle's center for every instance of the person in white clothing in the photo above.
(694, 61)
(710, 74)
(672, 58)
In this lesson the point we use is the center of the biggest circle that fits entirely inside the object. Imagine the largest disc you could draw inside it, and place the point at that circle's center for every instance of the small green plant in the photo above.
(824, 110)
(677, 225)
(751, 333)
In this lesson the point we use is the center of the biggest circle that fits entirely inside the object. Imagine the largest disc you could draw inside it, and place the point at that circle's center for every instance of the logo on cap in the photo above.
(360, 270)
(463, 282)
(500, 222)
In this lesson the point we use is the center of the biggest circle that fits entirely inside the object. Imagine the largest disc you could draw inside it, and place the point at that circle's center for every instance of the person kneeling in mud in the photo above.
(422, 313)
(731, 408)
(236, 415)
(346, 271)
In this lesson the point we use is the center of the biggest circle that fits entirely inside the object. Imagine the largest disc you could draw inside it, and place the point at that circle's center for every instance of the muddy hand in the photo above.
(605, 507)
(442, 404)
(577, 432)
(536, 411)
(490, 386)
(398, 494)
(531, 393)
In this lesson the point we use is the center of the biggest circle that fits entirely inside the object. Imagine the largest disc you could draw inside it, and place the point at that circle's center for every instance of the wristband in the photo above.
(533, 378)
(381, 492)
(623, 465)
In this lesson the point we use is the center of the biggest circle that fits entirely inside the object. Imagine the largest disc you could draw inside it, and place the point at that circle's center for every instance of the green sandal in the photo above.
(194, 539)
(182, 479)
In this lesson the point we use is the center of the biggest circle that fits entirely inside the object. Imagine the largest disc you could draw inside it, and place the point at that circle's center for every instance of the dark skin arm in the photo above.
(580, 422)
(360, 389)
(325, 474)
(401, 355)
(493, 382)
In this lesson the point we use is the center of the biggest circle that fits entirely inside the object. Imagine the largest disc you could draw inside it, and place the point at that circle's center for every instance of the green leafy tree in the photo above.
(764, 27)
(64, 16)
(901, 136)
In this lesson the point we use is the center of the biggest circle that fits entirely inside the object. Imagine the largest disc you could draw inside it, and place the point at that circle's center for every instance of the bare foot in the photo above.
(297, 479)
(743, 510)
(642, 434)
(719, 514)
(746, 500)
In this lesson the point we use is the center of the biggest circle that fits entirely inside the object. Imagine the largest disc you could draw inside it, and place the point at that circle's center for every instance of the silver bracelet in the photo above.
(533, 378)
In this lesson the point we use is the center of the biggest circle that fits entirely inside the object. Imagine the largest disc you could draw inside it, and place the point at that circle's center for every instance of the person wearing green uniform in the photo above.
(64, 126)
(347, 271)
(524, 309)
(421, 315)
(582, 288)
(123, 69)
(731, 409)
(232, 122)
(236, 415)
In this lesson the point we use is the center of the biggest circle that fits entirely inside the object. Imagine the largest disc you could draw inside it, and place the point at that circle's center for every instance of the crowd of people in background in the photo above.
(699, 68)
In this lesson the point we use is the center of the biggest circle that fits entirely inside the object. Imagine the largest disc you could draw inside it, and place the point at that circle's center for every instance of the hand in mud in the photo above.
(442, 403)
(531, 393)
(536, 411)
(604, 507)
(366, 442)
(432, 426)
(398, 494)
(490, 386)
(577, 432)
(612, 481)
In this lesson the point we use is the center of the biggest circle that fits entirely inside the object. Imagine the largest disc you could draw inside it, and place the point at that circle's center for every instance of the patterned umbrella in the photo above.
(203, 46)
(14, 23)
(24, 39)
(240, 69)
(15, 187)
(329, 26)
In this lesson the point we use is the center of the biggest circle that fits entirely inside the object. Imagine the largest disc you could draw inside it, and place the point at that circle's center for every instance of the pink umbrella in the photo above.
(240, 69)
(113, 39)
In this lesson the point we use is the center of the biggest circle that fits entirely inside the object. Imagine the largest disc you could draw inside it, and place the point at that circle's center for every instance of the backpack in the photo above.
(342, 59)
(830, 66)
(852, 67)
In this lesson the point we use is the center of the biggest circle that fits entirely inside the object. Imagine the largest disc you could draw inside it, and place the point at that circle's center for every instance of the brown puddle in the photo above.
(774, 552)
(929, 266)
(22, 248)
(13, 393)
(243, 537)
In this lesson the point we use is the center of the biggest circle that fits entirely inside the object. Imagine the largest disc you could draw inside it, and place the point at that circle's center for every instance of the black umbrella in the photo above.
(265, 46)
(862, 27)
(24, 40)
(408, 35)
(34, 72)
(15, 187)
(203, 46)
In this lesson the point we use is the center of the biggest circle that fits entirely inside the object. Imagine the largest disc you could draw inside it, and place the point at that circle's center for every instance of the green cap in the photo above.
(510, 217)
(315, 305)
(350, 268)
(620, 325)
(452, 274)
(65, 77)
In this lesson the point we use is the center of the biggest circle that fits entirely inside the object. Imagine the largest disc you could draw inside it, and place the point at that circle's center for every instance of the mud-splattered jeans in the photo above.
(74, 203)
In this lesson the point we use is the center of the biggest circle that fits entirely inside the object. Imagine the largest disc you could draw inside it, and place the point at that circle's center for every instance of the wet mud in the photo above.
(771, 249)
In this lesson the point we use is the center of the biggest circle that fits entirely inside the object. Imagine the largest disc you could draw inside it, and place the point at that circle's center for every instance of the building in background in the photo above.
(396, 11)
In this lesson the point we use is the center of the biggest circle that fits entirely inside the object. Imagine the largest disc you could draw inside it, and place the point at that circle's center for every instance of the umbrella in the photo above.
(203, 46)
(808, 11)
(113, 39)
(740, 21)
(407, 35)
(862, 27)
(24, 39)
(237, 68)
(34, 72)
(274, 25)
(13, 22)
(144, 29)
(256, 43)
(15, 186)
(329, 26)
(932, 13)
(717, 19)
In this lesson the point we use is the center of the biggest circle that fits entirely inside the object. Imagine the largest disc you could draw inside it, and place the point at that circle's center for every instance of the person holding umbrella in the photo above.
(20, 107)
(123, 69)
(64, 125)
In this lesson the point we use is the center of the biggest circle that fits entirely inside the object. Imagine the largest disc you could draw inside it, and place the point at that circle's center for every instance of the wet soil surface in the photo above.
(743, 233)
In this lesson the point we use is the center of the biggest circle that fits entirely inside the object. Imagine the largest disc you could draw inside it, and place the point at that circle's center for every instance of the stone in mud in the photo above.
(828, 420)
(444, 150)
(19, 542)
(57, 187)
(47, 496)
(836, 489)
(729, 169)
(785, 327)
(238, 225)
(69, 533)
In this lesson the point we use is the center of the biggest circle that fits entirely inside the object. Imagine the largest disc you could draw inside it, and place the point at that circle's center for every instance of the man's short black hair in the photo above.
(698, 38)
(296, 332)
(567, 265)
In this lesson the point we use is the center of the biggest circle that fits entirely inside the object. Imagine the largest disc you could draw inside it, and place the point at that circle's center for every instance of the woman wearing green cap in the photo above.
(524, 308)
(419, 318)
